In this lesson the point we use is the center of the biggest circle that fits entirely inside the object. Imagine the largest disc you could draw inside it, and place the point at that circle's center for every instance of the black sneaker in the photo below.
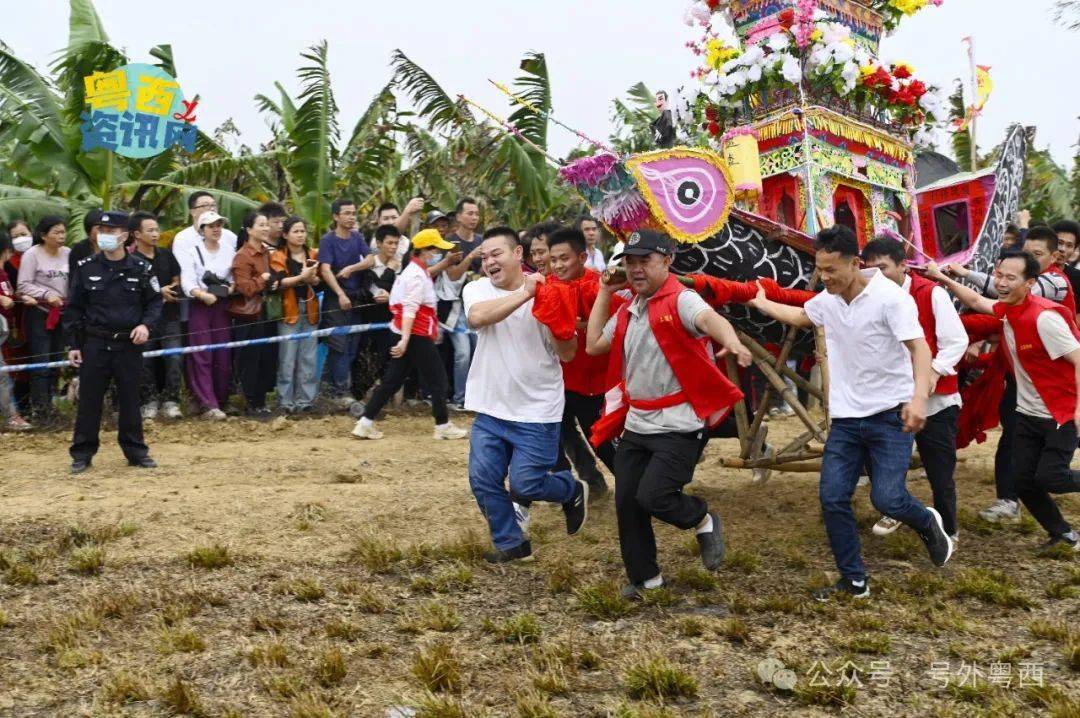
(938, 544)
(144, 463)
(1051, 547)
(845, 586)
(79, 466)
(637, 591)
(577, 508)
(711, 544)
(521, 552)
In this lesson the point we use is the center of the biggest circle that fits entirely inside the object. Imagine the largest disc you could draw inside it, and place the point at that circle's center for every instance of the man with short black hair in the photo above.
(161, 375)
(275, 213)
(947, 340)
(1043, 345)
(343, 255)
(880, 380)
(1068, 233)
(86, 247)
(448, 288)
(590, 229)
(185, 241)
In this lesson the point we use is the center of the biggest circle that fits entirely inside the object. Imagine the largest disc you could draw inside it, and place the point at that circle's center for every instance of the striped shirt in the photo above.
(1054, 287)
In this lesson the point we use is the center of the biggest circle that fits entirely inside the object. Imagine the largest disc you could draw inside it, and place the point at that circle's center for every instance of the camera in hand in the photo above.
(215, 285)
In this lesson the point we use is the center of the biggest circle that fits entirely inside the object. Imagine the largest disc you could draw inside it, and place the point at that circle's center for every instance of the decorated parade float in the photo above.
(797, 126)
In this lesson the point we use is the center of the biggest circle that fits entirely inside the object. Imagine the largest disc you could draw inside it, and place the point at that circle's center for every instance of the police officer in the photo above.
(114, 300)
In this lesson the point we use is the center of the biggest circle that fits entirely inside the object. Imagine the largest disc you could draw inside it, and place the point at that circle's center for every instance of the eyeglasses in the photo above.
(206, 206)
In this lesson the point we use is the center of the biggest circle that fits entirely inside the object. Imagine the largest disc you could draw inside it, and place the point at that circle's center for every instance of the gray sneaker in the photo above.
(1002, 510)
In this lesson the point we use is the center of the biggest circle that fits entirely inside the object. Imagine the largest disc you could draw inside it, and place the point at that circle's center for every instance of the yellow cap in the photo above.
(430, 238)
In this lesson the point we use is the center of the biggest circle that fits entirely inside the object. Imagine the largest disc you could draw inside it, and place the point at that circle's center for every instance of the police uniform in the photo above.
(107, 301)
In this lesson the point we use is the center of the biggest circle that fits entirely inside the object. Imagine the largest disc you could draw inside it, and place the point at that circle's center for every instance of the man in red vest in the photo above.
(948, 341)
(667, 390)
(880, 380)
(585, 377)
(1041, 243)
(1043, 346)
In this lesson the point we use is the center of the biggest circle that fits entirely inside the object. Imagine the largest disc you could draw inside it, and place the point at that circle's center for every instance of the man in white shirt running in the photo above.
(515, 386)
(880, 380)
(948, 340)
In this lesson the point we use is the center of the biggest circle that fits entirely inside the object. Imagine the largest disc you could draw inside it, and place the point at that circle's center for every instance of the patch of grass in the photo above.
(87, 560)
(306, 589)
(588, 661)
(865, 622)
(519, 628)
(971, 522)
(309, 705)
(655, 678)
(561, 578)
(374, 554)
(180, 698)
(180, 640)
(738, 603)
(433, 706)
(832, 695)
(875, 644)
(602, 601)
(64, 631)
(989, 586)
(534, 705)
(902, 546)
(116, 603)
(20, 573)
(282, 685)
(552, 681)
(264, 622)
(272, 654)
(344, 629)
(209, 557)
(330, 668)
(466, 547)
(1071, 651)
(781, 603)
(123, 687)
(1027, 525)
(624, 710)
(741, 560)
(974, 692)
(1062, 590)
(5, 619)
(437, 668)
(697, 578)
(923, 583)
(660, 597)
(734, 629)
(690, 627)
(1014, 655)
(795, 559)
(1050, 630)
(364, 597)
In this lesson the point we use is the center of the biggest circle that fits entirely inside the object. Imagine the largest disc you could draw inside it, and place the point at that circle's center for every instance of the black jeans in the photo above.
(421, 354)
(1004, 468)
(1043, 451)
(103, 361)
(650, 473)
(583, 411)
(937, 449)
(161, 375)
(256, 366)
(46, 345)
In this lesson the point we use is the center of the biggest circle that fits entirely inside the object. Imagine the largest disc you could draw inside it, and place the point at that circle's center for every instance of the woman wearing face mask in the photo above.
(257, 364)
(43, 277)
(296, 268)
(16, 346)
(208, 372)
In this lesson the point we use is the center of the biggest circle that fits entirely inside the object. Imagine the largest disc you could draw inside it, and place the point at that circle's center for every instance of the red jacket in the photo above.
(704, 386)
(1054, 379)
(587, 375)
(922, 291)
(1069, 302)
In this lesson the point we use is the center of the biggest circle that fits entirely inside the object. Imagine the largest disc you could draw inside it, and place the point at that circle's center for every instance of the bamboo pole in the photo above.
(789, 396)
(823, 362)
(740, 406)
(800, 441)
(762, 352)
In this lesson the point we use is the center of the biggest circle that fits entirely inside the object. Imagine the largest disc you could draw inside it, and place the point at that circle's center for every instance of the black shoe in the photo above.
(144, 463)
(844, 586)
(79, 466)
(1051, 547)
(711, 545)
(261, 413)
(521, 552)
(577, 508)
(637, 591)
(938, 543)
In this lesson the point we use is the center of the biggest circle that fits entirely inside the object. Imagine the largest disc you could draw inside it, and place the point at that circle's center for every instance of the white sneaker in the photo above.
(885, 526)
(214, 415)
(761, 475)
(149, 410)
(449, 432)
(521, 516)
(1002, 510)
(171, 410)
(366, 430)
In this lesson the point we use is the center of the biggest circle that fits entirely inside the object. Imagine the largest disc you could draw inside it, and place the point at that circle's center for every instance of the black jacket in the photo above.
(112, 297)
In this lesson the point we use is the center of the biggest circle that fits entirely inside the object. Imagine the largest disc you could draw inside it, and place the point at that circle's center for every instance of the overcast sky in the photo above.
(227, 51)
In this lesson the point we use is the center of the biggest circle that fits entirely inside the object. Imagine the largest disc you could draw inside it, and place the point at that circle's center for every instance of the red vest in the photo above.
(426, 323)
(1054, 379)
(1069, 302)
(704, 386)
(586, 375)
(922, 291)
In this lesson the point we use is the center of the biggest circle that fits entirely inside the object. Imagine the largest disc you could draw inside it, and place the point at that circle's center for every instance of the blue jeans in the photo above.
(879, 442)
(297, 382)
(464, 343)
(525, 451)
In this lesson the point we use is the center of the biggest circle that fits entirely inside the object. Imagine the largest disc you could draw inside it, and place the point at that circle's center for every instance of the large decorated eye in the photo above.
(688, 190)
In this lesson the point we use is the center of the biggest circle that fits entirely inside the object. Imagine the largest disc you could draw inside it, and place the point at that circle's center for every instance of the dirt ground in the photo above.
(287, 569)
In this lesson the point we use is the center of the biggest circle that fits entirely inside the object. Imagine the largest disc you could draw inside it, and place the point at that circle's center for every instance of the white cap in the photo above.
(208, 217)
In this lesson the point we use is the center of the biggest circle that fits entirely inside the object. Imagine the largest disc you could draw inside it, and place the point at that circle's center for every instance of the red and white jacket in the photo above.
(413, 294)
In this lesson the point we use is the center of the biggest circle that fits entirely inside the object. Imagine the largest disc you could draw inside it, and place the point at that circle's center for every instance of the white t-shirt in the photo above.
(1059, 340)
(515, 373)
(594, 259)
(869, 366)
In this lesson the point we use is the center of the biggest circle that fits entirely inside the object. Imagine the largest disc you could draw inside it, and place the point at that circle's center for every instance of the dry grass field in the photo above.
(286, 569)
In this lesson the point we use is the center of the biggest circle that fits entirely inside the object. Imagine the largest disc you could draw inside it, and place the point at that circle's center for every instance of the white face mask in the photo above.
(108, 242)
(22, 244)
(434, 259)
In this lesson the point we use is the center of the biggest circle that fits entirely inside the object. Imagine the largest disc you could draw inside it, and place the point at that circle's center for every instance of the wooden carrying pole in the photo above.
(762, 358)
